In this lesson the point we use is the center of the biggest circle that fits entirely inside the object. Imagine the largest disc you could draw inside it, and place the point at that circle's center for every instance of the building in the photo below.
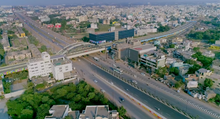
(44, 18)
(98, 112)
(153, 60)
(208, 54)
(91, 112)
(94, 26)
(39, 66)
(61, 67)
(110, 36)
(1, 88)
(34, 51)
(83, 18)
(50, 25)
(204, 73)
(21, 32)
(58, 112)
(5, 42)
(58, 25)
(182, 67)
(58, 65)
(209, 94)
(216, 66)
(135, 52)
(19, 55)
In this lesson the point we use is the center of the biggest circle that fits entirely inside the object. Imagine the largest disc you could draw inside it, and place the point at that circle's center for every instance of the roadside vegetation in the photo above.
(32, 105)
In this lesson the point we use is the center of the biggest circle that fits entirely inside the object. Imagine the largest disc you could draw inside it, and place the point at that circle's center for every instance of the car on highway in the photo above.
(143, 74)
(135, 76)
(103, 91)
(95, 81)
(135, 82)
(121, 99)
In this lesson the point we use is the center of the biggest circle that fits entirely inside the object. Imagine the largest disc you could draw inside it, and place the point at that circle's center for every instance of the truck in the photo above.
(96, 58)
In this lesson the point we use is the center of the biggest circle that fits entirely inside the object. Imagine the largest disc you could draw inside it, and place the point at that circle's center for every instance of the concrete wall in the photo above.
(14, 94)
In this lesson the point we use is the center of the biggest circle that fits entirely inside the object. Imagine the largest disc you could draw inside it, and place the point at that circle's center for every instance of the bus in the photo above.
(118, 70)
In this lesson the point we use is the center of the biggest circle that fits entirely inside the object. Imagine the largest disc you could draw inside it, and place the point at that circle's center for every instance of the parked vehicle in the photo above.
(95, 81)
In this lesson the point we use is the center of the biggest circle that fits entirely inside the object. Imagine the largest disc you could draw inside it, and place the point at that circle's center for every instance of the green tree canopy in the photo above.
(208, 83)
(121, 111)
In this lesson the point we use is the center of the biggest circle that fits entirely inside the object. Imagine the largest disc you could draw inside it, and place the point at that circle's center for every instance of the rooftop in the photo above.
(57, 111)
(61, 62)
(143, 47)
(95, 111)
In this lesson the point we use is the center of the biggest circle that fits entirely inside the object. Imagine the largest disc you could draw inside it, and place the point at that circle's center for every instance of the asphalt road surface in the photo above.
(88, 73)
(152, 103)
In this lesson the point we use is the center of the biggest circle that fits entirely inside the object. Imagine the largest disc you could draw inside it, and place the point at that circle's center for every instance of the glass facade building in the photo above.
(101, 37)
(110, 36)
(125, 34)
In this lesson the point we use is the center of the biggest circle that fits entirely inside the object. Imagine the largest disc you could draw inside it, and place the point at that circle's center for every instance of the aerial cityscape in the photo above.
(114, 60)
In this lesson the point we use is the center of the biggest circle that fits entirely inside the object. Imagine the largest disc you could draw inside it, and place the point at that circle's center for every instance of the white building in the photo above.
(61, 67)
(39, 66)
(44, 18)
(58, 65)
(94, 26)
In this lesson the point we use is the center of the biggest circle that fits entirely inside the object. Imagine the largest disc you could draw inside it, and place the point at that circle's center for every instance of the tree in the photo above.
(178, 84)
(161, 71)
(196, 49)
(172, 46)
(208, 83)
(163, 28)
(121, 111)
(45, 99)
(43, 48)
(193, 69)
(91, 95)
(27, 114)
(85, 39)
(174, 70)
(42, 111)
(51, 75)
(77, 98)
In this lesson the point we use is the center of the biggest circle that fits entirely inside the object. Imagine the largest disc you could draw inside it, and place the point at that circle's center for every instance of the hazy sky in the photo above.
(52, 2)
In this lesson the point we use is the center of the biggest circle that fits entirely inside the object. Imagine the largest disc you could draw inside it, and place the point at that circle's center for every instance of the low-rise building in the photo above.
(135, 53)
(21, 32)
(204, 74)
(153, 60)
(34, 51)
(61, 67)
(44, 18)
(98, 112)
(209, 94)
(208, 54)
(58, 112)
(91, 112)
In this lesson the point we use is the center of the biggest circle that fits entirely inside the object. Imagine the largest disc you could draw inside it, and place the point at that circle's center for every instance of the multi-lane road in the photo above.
(169, 113)
(88, 71)
(163, 92)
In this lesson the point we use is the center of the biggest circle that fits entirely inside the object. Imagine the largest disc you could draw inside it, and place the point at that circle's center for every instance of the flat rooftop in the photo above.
(143, 47)
(58, 111)
(61, 62)
(102, 32)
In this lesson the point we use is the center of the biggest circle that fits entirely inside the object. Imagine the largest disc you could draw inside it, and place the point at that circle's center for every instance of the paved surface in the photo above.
(18, 86)
(164, 92)
(13, 67)
(88, 73)
(3, 109)
(152, 103)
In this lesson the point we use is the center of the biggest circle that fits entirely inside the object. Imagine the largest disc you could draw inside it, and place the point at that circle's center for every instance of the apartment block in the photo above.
(58, 65)
(40, 66)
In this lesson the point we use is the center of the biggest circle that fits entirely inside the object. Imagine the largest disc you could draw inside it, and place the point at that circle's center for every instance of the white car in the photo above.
(143, 74)
(95, 81)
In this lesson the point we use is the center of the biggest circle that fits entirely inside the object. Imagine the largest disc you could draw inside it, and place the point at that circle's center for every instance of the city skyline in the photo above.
(57, 2)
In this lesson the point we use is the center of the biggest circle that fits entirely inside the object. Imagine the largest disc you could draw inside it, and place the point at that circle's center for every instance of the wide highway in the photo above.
(161, 90)
(152, 103)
